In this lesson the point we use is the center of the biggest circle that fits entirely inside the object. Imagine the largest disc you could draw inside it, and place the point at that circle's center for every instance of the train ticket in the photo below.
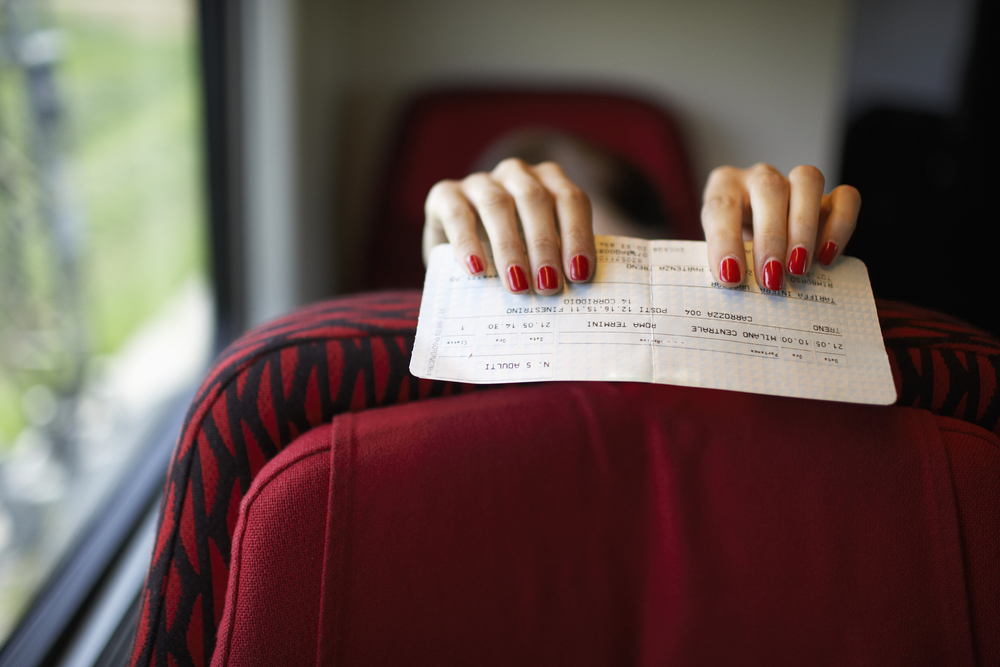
(654, 313)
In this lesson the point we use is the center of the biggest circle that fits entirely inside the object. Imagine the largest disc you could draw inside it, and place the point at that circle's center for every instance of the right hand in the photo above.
(789, 219)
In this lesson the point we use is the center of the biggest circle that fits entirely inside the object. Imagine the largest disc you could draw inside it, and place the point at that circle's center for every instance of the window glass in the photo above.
(105, 315)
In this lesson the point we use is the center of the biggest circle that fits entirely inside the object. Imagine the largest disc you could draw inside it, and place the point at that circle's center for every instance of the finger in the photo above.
(804, 200)
(722, 221)
(575, 222)
(840, 209)
(449, 217)
(433, 236)
(534, 205)
(768, 192)
(496, 210)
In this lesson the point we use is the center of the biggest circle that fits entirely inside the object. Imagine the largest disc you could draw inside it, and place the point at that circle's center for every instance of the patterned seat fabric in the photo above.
(295, 373)
(942, 364)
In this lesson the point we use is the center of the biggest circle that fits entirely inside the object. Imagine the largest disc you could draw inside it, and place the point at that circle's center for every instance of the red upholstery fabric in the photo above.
(974, 461)
(273, 384)
(444, 132)
(350, 354)
(277, 565)
(593, 523)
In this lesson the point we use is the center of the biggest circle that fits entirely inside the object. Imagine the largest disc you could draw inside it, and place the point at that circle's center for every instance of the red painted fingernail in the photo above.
(516, 279)
(579, 268)
(828, 252)
(547, 278)
(729, 270)
(773, 275)
(797, 261)
(475, 264)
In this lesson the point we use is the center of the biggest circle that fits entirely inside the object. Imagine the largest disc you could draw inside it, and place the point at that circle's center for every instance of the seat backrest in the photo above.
(442, 134)
(596, 523)
(292, 375)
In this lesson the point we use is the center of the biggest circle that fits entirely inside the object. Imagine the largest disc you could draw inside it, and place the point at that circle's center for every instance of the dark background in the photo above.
(928, 179)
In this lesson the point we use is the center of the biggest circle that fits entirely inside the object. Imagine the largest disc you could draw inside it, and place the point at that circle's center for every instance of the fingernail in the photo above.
(729, 270)
(516, 279)
(773, 275)
(797, 261)
(828, 252)
(475, 264)
(547, 278)
(579, 268)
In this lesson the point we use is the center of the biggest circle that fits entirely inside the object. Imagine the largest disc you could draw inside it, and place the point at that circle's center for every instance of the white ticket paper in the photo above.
(653, 313)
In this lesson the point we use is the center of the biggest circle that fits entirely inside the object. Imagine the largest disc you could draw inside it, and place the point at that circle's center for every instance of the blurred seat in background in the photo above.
(444, 133)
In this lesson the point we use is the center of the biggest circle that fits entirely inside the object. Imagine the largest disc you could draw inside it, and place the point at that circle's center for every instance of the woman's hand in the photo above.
(554, 213)
(790, 219)
(787, 218)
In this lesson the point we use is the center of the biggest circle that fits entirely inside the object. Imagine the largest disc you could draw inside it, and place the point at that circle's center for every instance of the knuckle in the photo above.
(508, 247)
(578, 237)
(510, 164)
(846, 200)
(806, 172)
(768, 240)
(573, 196)
(850, 193)
(465, 246)
(550, 166)
(531, 191)
(544, 246)
(721, 204)
(440, 190)
(806, 223)
(442, 186)
(763, 167)
(727, 239)
(476, 181)
(724, 172)
(495, 198)
(453, 211)
(769, 181)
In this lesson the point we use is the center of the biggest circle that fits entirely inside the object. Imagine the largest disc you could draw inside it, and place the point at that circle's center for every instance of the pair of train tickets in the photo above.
(654, 313)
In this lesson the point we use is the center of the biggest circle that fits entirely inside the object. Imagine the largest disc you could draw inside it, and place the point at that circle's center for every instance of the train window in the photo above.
(105, 308)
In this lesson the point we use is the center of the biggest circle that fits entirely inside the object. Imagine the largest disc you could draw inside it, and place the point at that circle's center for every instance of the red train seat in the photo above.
(635, 504)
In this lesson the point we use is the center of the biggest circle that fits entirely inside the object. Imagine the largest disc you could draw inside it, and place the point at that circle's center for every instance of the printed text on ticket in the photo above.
(653, 313)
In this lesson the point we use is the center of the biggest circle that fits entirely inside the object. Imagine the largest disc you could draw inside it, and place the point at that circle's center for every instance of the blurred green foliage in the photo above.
(129, 92)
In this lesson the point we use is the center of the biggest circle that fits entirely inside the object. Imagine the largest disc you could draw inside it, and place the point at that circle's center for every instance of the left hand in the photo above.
(540, 201)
